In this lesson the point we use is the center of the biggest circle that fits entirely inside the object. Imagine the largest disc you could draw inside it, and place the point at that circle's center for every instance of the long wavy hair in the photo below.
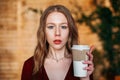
(42, 47)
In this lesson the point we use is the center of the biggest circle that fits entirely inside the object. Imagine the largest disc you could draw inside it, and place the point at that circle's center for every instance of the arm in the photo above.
(90, 68)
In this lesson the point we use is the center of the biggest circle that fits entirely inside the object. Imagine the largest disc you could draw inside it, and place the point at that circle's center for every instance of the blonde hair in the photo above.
(42, 47)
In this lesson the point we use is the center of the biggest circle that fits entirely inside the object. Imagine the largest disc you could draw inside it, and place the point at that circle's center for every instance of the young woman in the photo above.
(52, 59)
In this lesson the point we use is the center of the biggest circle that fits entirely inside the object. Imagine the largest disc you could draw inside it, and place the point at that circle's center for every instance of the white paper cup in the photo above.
(79, 56)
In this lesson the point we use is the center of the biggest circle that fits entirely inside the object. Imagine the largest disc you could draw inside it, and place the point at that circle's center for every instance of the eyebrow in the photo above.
(54, 24)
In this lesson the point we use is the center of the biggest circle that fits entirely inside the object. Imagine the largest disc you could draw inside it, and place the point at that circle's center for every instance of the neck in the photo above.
(57, 55)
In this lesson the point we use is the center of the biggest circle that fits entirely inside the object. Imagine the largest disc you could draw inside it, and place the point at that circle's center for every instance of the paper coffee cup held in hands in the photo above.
(79, 55)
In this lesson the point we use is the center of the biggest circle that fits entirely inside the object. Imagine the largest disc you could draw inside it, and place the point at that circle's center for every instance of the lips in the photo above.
(57, 41)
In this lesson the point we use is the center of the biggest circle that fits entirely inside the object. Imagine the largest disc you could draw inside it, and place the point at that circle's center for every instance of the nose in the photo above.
(57, 31)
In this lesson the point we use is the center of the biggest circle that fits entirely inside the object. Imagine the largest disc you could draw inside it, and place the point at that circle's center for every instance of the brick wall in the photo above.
(8, 43)
(17, 38)
(18, 26)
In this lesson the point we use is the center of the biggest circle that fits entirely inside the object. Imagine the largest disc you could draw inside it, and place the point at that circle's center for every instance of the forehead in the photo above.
(57, 17)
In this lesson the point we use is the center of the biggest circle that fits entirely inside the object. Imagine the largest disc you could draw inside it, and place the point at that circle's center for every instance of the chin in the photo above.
(58, 47)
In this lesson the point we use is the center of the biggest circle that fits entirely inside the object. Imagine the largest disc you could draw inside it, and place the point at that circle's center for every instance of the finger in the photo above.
(90, 53)
(88, 62)
(90, 68)
(90, 56)
(91, 49)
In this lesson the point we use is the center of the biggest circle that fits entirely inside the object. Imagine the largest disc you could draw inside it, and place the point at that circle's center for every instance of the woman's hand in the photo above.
(90, 67)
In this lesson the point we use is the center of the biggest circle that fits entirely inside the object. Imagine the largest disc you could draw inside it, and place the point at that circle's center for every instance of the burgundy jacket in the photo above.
(42, 75)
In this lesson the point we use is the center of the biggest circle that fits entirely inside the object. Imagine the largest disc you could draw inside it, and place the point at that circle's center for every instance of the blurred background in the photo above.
(98, 23)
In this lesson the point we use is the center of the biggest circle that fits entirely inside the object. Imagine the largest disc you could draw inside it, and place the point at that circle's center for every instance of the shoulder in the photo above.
(29, 61)
(27, 69)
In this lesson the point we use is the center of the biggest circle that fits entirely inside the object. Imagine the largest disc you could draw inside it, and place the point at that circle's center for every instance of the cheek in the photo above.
(49, 37)
(48, 33)
(66, 35)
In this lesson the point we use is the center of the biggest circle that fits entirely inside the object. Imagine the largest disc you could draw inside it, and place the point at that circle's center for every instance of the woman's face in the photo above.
(57, 30)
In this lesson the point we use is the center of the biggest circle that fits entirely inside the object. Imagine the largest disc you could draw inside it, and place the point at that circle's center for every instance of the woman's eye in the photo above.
(63, 27)
(50, 27)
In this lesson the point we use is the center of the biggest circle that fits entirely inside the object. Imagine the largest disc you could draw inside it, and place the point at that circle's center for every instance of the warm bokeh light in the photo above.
(19, 21)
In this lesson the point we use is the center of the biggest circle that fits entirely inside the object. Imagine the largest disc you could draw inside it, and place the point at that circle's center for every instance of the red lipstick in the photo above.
(57, 41)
